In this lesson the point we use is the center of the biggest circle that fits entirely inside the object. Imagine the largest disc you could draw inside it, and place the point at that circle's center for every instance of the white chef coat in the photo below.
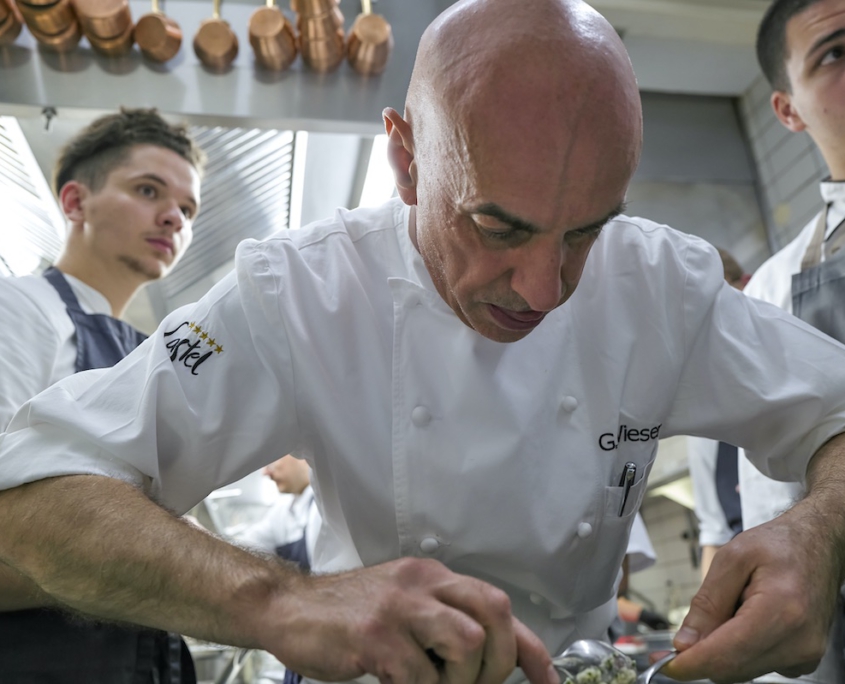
(713, 528)
(37, 337)
(425, 438)
(763, 498)
(284, 523)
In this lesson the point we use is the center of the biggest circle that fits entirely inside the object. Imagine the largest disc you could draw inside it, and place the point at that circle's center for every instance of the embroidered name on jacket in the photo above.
(609, 441)
(193, 347)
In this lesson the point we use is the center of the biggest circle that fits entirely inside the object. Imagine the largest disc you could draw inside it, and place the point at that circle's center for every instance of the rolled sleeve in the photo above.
(756, 376)
(207, 399)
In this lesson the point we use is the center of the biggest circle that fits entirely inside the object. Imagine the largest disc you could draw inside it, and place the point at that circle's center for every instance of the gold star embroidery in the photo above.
(219, 349)
(210, 342)
(204, 335)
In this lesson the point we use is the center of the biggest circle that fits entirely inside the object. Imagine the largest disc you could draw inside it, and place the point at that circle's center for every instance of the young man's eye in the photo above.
(187, 212)
(147, 190)
(831, 55)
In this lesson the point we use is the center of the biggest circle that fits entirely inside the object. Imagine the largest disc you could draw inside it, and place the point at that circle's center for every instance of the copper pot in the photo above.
(48, 20)
(370, 44)
(104, 19)
(215, 43)
(310, 8)
(324, 54)
(5, 11)
(158, 36)
(272, 38)
(116, 46)
(10, 26)
(319, 25)
(65, 41)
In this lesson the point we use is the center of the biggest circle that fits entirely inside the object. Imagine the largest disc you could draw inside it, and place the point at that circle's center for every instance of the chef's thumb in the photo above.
(713, 605)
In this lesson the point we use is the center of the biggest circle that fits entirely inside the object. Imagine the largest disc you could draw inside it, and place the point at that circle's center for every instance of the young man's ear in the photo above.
(71, 197)
(786, 112)
(400, 154)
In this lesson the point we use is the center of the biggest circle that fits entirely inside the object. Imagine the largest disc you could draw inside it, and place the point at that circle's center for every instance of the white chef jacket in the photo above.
(761, 497)
(284, 523)
(425, 438)
(713, 528)
(37, 337)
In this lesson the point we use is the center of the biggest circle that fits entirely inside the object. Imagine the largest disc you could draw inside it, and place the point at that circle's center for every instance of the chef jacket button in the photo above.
(420, 416)
(536, 599)
(429, 545)
(585, 529)
(569, 404)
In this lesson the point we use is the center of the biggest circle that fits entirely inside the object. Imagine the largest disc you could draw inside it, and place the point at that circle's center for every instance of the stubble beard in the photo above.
(137, 266)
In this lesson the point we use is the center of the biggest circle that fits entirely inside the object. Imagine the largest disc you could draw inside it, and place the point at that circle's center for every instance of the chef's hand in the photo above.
(388, 621)
(767, 602)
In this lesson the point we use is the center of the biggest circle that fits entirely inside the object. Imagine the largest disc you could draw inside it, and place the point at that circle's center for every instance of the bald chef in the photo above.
(480, 433)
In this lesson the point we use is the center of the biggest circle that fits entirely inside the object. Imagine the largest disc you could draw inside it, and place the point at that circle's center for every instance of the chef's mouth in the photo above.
(516, 320)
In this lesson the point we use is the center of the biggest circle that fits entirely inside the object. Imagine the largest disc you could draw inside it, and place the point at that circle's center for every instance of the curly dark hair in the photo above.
(772, 51)
(105, 144)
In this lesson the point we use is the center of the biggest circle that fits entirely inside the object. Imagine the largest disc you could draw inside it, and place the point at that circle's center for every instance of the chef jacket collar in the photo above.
(418, 274)
(833, 194)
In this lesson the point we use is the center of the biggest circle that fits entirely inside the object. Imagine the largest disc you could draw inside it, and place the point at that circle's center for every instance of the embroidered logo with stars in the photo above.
(195, 348)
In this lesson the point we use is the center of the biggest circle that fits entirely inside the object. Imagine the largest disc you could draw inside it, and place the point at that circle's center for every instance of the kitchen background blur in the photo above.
(287, 148)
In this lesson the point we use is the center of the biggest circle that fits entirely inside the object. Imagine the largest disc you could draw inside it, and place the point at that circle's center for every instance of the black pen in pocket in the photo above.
(629, 472)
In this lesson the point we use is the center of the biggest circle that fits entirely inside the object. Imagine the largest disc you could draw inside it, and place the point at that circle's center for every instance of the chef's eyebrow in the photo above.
(830, 38)
(495, 211)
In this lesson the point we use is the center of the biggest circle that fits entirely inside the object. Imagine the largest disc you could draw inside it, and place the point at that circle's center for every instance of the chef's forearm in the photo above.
(101, 547)
(18, 591)
(826, 493)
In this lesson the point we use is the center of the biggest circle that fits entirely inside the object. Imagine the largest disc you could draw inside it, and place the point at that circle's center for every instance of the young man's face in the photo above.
(143, 214)
(815, 41)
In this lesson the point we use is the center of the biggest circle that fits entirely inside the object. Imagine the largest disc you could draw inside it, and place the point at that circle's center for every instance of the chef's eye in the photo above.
(583, 235)
(831, 55)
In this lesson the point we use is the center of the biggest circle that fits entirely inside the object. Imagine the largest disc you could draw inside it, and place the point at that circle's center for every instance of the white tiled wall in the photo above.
(789, 166)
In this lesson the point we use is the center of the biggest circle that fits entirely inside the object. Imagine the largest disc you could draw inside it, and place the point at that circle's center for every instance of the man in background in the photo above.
(129, 186)
(801, 50)
(289, 529)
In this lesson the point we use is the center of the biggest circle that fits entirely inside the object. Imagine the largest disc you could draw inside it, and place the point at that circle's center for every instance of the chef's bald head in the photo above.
(552, 62)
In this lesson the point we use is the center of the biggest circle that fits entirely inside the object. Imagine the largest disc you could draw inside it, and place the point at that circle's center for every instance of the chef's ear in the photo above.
(400, 154)
(786, 111)
(71, 197)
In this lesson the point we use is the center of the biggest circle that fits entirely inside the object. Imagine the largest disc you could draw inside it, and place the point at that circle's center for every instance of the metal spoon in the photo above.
(590, 652)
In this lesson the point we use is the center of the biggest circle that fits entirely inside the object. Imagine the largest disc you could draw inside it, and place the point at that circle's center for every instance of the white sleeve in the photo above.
(754, 375)
(271, 531)
(29, 345)
(641, 554)
(206, 400)
(712, 524)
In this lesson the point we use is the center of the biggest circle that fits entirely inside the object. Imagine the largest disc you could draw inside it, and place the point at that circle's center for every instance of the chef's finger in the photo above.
(740, 649)
(454, 643)
(491, 608)
(533, 657)
(717, 599)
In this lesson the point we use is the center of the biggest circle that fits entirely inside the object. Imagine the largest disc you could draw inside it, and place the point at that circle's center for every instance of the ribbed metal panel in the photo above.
(31, 220)
(245, 194)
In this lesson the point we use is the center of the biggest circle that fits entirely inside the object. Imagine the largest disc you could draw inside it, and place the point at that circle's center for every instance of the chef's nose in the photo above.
(538, 276)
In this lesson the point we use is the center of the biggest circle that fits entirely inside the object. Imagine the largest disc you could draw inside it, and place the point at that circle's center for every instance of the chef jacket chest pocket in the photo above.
(606, 547)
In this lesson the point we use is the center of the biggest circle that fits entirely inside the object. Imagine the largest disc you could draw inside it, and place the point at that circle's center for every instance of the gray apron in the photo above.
(818, 298)
(44, 646)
